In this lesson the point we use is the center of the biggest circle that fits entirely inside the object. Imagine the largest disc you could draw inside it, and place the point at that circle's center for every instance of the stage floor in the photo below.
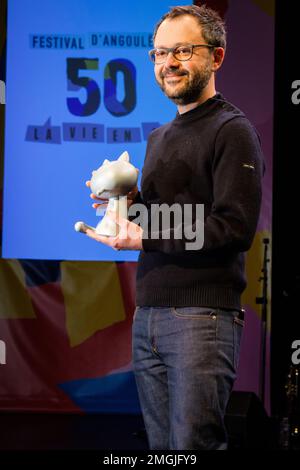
(98, 432)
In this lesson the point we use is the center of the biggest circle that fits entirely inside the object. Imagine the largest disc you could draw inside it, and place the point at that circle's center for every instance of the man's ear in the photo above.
(218, 57)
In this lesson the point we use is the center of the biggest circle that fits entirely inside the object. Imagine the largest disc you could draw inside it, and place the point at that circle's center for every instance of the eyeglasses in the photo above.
(182, 53)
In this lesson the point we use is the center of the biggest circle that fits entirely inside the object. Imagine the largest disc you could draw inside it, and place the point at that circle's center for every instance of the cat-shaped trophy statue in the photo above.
(113, 181)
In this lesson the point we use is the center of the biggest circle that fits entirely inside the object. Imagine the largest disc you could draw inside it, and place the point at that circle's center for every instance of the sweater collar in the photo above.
(200, 110)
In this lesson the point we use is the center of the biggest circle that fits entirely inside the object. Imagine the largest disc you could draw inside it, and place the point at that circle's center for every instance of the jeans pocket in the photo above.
(195, 312)
(134, 313)
(238, 326)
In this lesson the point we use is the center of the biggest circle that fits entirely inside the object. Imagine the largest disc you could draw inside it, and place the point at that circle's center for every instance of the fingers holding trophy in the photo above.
(113, 180)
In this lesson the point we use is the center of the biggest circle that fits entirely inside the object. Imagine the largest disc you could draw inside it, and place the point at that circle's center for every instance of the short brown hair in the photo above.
(213, 27)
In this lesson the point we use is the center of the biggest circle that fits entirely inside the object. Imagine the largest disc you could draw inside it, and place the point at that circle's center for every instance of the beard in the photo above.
(189, 91)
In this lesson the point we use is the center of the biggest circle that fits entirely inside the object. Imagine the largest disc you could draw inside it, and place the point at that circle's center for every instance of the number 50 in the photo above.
(93, 99)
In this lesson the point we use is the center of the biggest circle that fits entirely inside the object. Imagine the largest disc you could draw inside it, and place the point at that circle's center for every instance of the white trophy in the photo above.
(113, 181)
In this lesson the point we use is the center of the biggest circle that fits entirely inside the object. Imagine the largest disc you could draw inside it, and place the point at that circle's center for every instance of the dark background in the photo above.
(286, 186)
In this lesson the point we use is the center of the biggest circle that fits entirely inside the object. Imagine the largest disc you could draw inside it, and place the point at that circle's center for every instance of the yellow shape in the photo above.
(268, 6)
(14, 298)
(254, 265)
(93, 297)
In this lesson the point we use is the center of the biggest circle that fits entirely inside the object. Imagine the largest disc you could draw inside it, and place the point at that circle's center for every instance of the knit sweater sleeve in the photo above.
(137, 200)
(237, 166)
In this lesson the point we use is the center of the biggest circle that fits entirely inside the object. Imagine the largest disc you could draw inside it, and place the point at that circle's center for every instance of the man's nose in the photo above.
(171, 61)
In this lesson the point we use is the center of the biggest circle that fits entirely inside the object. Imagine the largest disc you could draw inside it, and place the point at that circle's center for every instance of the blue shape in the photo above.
(38, 272)
(77, 132)
(56, 41)
(50, 178)
(45, 134)
(121, 135)
(115, 393)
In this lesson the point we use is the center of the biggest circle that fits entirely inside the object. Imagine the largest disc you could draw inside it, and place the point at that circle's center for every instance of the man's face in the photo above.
(183, 82)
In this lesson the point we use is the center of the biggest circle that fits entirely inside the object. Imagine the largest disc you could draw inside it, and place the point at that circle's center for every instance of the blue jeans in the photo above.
(185, 361)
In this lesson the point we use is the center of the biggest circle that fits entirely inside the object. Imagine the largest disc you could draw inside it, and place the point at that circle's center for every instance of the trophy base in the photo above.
(82, 227)
(107, 227)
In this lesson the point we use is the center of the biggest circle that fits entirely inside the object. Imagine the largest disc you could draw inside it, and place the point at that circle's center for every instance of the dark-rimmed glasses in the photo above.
(159, 55)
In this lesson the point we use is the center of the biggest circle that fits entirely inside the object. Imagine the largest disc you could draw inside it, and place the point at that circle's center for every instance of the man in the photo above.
(188, 323)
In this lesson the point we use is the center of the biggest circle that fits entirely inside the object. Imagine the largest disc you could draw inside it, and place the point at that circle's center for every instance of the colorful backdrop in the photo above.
(65, 326)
